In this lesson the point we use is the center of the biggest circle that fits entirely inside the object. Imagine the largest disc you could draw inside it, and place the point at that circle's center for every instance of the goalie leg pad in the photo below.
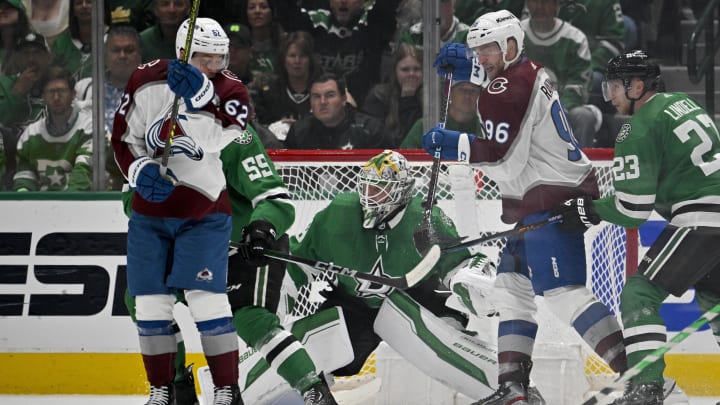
(444, 353)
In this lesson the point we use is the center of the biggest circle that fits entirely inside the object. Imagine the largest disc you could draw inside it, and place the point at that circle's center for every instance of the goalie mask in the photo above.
(385, 187)
(208, 37)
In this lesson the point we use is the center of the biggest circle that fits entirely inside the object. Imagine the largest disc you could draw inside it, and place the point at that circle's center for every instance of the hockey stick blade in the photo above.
(411, 278)
(656, 355)
(503, 234)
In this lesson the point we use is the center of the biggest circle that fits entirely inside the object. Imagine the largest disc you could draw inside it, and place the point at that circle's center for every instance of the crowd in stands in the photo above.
(321, 73)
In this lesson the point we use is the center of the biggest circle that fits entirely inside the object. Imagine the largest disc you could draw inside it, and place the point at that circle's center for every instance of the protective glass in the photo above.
(484, 50)
(611, 87)
(212, 62)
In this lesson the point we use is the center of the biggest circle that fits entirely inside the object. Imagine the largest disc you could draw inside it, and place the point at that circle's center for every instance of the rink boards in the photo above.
(64, 327)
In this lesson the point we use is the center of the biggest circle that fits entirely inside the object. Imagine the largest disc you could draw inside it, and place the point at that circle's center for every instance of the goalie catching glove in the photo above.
(257, 236)
(578, 214)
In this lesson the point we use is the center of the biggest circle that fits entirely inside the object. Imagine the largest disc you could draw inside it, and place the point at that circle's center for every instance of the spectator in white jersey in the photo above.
(54, 152)
(564, 52)
(528, 151)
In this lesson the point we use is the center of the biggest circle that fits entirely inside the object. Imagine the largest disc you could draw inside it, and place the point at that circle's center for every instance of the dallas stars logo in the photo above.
(370, 289)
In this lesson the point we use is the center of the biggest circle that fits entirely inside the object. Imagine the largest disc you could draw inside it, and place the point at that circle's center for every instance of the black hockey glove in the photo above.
(578, 214)
(257, 236)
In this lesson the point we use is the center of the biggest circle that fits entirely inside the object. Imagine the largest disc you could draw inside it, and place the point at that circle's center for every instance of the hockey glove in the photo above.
(257, 236)
(191, 84)
(453, 56)
(454, 145)
(145, 178)
(578, 214)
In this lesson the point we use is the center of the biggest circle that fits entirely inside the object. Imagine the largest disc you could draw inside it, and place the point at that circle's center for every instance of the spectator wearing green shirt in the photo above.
(158, 41)
(564, 52)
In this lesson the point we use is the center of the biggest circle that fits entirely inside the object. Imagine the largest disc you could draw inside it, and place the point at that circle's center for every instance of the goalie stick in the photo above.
(176, 101)
(406, 281)
(498, 235)
(656, 355)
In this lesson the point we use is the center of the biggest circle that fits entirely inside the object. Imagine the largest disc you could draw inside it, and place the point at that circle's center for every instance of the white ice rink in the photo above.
(139, 400)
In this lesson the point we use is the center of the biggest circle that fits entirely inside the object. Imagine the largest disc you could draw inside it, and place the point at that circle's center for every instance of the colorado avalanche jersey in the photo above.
(527, 147)
(142, 126)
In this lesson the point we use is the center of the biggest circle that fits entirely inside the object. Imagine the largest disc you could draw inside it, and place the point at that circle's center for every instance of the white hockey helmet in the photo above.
(498, 26)
(385, 187)
(209, 37)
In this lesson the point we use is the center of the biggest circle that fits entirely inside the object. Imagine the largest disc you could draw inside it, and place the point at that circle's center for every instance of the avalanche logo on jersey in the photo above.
(368, 288)
(158, 133)
(498, 85)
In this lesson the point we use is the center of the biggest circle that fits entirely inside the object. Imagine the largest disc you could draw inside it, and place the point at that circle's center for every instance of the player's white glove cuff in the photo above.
(464, 142)
(203, 96)
(136, 167)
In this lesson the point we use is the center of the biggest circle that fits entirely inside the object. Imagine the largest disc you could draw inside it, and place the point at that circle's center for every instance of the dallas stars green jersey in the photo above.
(667, 158)
(336, 235)
(58, 162)
(256, 190)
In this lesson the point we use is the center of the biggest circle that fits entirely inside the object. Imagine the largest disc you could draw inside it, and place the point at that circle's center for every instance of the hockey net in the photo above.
(472, 200)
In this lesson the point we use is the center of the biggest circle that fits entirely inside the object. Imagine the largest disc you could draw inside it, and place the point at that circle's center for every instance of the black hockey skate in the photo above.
(510, 392)
(641, 394)
(319, 394)
(162, 395)
(185, 389)
(227, 395)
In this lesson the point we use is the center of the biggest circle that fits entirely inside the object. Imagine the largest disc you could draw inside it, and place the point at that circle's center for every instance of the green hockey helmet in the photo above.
(385, 187)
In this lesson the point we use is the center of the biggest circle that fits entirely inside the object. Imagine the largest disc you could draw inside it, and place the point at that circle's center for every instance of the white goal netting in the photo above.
(472, 200)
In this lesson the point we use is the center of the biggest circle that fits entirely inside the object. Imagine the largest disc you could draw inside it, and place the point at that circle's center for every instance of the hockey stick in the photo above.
(176, 101)
(656, 355)
(498, 235)
(406, 281)
(423, 237)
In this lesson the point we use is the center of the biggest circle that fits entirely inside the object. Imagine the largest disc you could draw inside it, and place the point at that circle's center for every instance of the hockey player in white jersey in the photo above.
(180, 225)
(528, 149)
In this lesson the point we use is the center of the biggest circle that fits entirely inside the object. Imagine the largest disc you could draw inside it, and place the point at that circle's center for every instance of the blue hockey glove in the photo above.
(578, 214)
(453, 56)
(145, 178)
(257, 236)
(191, 84)
(454, 145)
